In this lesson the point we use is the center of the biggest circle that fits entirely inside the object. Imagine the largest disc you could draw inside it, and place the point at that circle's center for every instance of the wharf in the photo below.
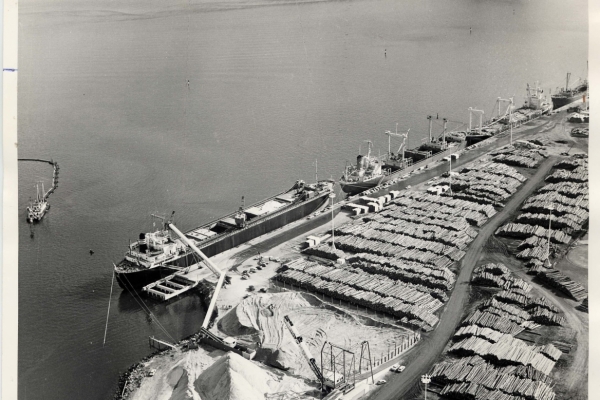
(175, 284)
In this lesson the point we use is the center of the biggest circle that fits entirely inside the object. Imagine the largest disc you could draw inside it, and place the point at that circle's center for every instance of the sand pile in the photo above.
(233, 377)
(214, 375)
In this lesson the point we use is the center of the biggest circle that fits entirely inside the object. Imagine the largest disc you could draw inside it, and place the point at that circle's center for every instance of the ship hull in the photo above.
(224, 242)
(561, 101)
(353, 188)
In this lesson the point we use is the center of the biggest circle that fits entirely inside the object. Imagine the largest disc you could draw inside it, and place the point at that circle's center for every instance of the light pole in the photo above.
(426, 379)
(332, 196)
(548, 264)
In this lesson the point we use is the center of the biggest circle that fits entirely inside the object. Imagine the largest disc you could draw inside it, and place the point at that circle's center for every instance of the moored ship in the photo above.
(367, 173)
(158, 254)
(566, 96)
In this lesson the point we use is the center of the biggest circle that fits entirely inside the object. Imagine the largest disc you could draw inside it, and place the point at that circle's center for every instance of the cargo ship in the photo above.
(371, 171)
(38, 207)
(535, 105)
(158, 254)
(367, 173)
(566, 96)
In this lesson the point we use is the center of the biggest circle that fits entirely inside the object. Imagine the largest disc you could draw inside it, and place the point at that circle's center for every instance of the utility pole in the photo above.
(332, 196)
(444, 133)
(450, 175)
(548, 264)
(430, 122)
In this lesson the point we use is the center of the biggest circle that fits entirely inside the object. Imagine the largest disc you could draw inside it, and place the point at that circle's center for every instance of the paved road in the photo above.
(431, 347)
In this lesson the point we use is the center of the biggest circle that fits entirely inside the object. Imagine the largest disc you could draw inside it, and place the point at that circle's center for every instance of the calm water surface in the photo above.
(103, 90)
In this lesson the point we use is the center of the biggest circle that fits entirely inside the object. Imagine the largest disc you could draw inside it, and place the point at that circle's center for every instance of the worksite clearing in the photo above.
(405, 265)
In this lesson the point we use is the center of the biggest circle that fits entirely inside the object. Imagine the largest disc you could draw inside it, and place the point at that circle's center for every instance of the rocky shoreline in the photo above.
(132, 378)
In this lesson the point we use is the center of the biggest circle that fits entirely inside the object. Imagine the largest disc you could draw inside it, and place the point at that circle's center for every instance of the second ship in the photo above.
(158, 254)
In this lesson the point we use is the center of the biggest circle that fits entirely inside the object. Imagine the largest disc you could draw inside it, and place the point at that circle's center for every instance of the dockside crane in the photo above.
(214, 269)
(403, 136)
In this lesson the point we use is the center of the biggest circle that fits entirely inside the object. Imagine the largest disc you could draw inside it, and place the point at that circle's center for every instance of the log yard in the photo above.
(460, 277)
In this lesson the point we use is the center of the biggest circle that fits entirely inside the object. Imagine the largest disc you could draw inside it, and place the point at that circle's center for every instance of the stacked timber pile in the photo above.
(558, 280)
(492, 363)
(540, 141)
(377, 292)
(543, 303)
(520, 157)
(568, 176)
(571, 164)
(398, 260)
(486, 319)
(544, 316)
(506, 351)
(485, 183)
(527, 231)
(497, 275)
(325, 250)
(556, 212)
(514, 296)
(568, 189)
(512, 381)
(437, 280)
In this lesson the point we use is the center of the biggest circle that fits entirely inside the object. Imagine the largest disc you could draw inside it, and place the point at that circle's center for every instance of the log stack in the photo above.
(558, 280)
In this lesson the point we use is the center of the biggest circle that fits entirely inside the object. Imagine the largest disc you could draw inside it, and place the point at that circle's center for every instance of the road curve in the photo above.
(431, 347)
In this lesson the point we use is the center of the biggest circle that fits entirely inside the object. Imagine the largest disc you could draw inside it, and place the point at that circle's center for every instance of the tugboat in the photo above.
(566, 95)
(367, 173)
(37, 208)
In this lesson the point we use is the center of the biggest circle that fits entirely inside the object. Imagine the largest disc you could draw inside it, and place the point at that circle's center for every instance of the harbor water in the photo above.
(188, 106)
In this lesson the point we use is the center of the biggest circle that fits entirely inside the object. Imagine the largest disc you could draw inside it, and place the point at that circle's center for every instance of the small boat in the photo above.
(38, 208)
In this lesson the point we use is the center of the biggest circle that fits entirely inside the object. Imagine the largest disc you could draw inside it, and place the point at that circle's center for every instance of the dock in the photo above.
(173, 285)
(159, 344)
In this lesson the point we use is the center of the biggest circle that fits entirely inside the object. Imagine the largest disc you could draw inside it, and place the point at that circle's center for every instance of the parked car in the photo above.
(401, 368)
(381, 382)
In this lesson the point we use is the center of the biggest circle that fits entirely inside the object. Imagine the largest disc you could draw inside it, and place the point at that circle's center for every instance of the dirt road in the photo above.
(432, 346)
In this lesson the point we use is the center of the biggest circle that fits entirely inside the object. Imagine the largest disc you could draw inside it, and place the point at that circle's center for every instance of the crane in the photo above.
(326, 384)
(480, 112)
(398, 135)
(214, 269)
